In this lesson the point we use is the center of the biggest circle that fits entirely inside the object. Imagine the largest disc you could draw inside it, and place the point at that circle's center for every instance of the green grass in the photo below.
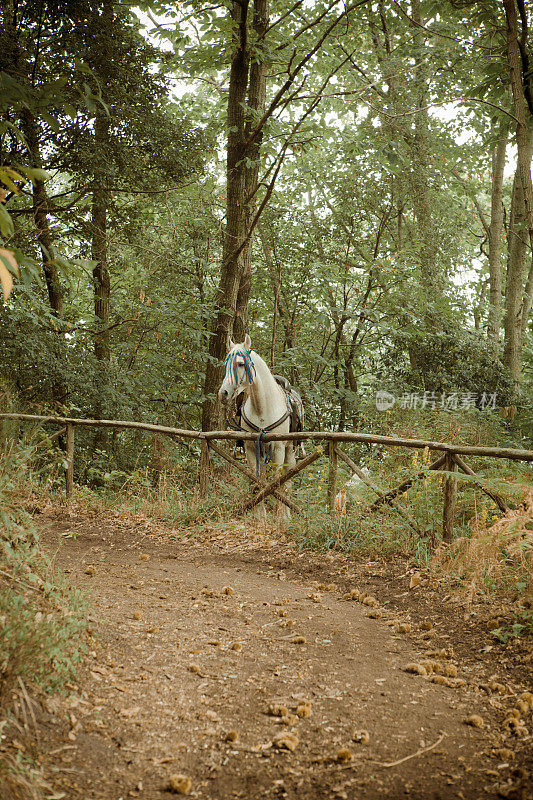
(42, 630)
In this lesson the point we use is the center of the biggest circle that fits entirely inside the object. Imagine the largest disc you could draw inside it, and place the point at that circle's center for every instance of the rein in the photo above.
(268, 427)
(263, 451)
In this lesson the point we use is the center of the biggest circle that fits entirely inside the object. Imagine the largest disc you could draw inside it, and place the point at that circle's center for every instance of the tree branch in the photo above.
(292, 74)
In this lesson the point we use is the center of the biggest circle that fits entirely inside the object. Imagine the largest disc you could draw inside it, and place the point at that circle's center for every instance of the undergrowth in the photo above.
(491, 551)
(41, 617)
(173, 499)
(168, 500)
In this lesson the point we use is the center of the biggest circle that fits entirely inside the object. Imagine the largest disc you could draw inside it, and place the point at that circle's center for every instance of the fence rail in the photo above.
(513, 454)
(451, 461)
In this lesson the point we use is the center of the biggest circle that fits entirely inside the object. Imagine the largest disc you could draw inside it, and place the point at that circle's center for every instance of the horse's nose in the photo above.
(223, 395)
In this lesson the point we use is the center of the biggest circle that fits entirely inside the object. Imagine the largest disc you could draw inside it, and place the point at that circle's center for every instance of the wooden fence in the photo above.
(449, 460)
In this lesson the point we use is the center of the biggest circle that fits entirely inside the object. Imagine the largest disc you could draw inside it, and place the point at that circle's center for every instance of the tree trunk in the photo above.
(102, 285)
(430, 279)
(16, 63)
(40, 203)
(101, 279)
(51, 274)
(478, 307)
(516, 254)
(522, 140)
(522, 228)
(256, 106)
(495, 240)
(246, 95)
(232, 254)
(528, 299)
(99, 212)
(40, 215)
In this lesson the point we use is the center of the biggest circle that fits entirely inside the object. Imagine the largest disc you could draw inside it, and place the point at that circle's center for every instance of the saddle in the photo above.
(295, 408)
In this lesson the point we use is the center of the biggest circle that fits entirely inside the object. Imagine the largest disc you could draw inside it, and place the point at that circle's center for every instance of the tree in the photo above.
(248, 113)
(124, 141)
(92, 94)
(353, 229)
(246, 101)
(518, 299)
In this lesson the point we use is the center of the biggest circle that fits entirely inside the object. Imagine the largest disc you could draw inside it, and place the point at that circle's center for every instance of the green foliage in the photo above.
(169, 496)
(20, 777)
(42, 631)
(150, 151)
(384, 531)
(522, 626)
(443, 362)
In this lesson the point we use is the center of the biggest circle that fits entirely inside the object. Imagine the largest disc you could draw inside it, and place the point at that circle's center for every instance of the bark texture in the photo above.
(495, 240)
(246, 101)
(103, 65)
(517, 300)
(101, 281)
(40, 214)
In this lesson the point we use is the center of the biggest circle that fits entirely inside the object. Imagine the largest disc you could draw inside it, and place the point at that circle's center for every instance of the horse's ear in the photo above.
(231, 343)
(247, 342)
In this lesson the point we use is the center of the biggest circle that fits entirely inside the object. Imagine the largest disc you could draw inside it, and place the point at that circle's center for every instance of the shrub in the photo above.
(41, 617)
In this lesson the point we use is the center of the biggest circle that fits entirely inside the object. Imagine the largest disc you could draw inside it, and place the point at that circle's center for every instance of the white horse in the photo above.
(265, 408)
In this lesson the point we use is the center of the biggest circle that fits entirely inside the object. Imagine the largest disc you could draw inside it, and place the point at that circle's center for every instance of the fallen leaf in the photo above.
(415, 580)
(128, 713)
(286, 741)
(6, 278)
(344, 755)
(474, 720)
(179, 784)
(277, 710)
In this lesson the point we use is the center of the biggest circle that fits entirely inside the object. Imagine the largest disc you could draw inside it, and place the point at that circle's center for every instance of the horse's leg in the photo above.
(259, 509)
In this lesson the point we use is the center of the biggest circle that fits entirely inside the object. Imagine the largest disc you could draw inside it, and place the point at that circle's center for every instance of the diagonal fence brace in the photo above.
(477, 480)
(407, 483)
(251, 475)
(360, 474)
(280, 479)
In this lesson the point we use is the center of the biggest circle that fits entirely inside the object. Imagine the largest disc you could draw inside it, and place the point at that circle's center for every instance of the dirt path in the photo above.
(194, 640)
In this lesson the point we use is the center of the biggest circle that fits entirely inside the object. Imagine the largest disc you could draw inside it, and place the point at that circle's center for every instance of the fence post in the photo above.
(205, 466)
(332, 476)
(69, 472)
(450, 498)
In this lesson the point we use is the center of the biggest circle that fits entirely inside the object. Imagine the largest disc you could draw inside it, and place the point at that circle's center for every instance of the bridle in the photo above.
(230, 366)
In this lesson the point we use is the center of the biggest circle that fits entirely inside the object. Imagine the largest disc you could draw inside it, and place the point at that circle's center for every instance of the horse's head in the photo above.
(239, 369)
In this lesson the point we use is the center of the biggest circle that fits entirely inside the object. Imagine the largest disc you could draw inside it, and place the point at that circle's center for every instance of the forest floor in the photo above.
(195, 638)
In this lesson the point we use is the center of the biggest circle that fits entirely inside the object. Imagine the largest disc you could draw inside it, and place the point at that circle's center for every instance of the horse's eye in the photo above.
(240, 363)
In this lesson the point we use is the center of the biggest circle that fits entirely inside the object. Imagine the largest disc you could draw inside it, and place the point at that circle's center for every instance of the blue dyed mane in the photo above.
(230, 365)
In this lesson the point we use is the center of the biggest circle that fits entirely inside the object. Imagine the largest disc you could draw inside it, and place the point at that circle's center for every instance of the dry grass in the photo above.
(495, 553)
(18, 782)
